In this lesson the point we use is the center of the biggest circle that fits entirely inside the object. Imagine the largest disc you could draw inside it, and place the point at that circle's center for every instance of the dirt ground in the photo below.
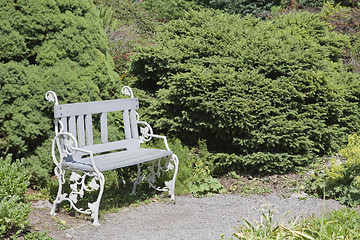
(284, 185)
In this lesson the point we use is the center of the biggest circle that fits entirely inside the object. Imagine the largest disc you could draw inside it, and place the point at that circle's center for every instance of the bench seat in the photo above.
(116, 160)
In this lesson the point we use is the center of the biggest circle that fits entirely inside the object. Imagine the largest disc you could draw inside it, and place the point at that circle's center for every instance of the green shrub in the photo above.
(165, 10)
(13, 215)
(341, 180)
(14, 180)
(242, 6)
(272, 92)
(48, 45)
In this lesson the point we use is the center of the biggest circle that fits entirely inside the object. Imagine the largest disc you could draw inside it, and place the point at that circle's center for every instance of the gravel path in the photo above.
(198, 218)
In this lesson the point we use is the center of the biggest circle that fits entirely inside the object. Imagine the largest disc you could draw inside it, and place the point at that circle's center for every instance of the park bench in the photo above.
(74, 148)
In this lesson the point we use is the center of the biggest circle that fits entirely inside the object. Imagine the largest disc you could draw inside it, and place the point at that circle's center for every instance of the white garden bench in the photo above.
(73, 148)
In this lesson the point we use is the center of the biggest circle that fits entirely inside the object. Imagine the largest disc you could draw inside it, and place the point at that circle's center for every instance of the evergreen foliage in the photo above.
(242, 6)
(273, 92)
(48, 45)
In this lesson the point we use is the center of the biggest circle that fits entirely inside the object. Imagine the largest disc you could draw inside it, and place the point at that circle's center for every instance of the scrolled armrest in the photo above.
(70, 147)
(147, 134)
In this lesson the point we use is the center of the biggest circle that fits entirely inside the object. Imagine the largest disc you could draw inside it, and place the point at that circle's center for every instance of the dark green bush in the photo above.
(242, 6)
(48, 45)
(165, 10)
(14, 180)
(273, 92)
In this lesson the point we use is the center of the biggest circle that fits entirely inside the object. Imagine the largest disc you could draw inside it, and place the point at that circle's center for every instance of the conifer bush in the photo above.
(57, 45)
(266, 95)
(242, 6)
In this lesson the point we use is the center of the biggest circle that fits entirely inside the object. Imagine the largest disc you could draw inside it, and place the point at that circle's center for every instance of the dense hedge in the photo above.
(242, 6)
(56, 45)
(273, 92)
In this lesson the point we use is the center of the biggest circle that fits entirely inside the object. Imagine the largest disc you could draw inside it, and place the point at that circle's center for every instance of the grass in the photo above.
(339, 224)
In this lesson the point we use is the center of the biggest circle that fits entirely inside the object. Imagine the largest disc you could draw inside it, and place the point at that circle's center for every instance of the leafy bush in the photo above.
(341, 180)
(14, 180)
(48, 45)
(272, 92)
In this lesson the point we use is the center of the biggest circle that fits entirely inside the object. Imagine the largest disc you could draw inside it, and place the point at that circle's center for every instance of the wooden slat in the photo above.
(129, 144)
(73, 109)
(64, 124)
(134, 127)
(104, 130)
(89, 129)
(72, 126)
(126, 120)
(64, 128)
(119, 159)
(81, 130)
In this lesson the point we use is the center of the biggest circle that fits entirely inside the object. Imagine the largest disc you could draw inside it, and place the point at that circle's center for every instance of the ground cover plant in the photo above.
(14, 211)
(340, 179)
(340, 224)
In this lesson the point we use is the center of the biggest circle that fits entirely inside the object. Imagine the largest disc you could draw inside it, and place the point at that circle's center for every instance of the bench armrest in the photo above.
(69, 147)
(147, 134)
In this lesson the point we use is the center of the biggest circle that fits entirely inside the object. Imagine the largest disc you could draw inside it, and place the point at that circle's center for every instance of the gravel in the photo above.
(199, 218)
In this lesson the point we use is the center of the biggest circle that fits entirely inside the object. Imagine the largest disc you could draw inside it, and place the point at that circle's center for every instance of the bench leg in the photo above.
(150, 178)
(139, 179)
(60, 176)
(78, 187)
(94, 207)
(171, 184)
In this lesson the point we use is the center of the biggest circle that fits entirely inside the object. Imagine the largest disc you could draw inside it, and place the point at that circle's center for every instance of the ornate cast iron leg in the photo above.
(60, 176)
(171, 185)
(78, 187)
(155, 168)
(94, 207)
(139, 179)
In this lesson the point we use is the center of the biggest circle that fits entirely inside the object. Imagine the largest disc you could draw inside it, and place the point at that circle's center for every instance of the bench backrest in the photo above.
(77, 119)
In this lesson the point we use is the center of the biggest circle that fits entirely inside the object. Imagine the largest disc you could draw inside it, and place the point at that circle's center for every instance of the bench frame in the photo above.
(73, 149)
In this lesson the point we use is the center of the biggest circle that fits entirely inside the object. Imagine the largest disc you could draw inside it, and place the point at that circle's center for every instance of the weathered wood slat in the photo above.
(72, 126)
(129, 144)
(104, 129)
(119, 159)
(81, 130)
(66, 110)
(64, 124)
(133, 123)
(89, 129)
(127, 129)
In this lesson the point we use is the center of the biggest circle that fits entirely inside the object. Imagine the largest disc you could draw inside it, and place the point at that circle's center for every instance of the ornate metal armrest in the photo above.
(147, 134)
(70, 147)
